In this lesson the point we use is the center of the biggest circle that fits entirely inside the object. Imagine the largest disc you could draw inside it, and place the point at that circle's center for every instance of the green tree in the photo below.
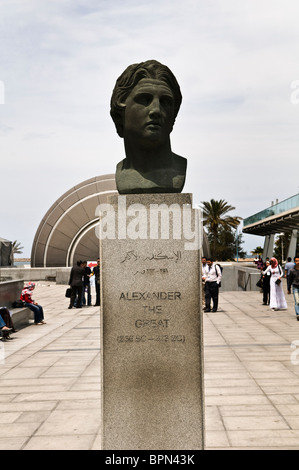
(239, 249)
(229, 245)
(257, 251)
(216, 220)
(17, 248)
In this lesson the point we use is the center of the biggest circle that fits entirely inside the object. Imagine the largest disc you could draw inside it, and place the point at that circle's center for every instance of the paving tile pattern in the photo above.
(251, 374)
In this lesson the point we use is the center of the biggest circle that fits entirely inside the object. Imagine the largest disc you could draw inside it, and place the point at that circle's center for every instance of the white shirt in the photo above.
(205, 270)
(212, 274)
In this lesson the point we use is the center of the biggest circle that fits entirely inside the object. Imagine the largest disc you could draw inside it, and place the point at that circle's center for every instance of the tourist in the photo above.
(212, 280)
(86, 284)
(266, 284)
(3, 326)
(5, 331)
(5, 314)
(294, 282)
(277, 298)
(288, 266)
(96, 272)
(76, 284)
(204, 268)
(259, 263)
(37, 309)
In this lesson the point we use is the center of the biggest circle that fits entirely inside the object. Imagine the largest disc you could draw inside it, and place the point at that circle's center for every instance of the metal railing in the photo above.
(287, 204)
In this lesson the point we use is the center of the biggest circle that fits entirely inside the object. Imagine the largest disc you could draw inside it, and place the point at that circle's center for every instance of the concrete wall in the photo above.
(60, 275)
(10, 291)
(236, 276)
(63, 275)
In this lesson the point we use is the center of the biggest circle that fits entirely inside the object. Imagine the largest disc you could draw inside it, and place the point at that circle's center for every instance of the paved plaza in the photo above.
(50, 377)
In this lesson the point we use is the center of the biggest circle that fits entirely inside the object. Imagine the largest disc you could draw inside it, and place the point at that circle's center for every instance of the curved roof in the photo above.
(67, 231)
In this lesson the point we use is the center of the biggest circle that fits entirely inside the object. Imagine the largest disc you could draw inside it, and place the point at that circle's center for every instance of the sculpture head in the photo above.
(150, 69)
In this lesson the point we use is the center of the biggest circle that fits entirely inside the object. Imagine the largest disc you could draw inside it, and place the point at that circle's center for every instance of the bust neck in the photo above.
(145, 159)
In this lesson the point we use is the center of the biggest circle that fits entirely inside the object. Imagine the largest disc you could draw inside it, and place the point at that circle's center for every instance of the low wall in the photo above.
(236, 276)
(10, 291)
(63, 275)
(58, 275)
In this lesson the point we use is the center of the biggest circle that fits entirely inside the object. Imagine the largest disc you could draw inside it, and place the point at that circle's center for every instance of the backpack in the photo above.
(221, 269)
(18, 304)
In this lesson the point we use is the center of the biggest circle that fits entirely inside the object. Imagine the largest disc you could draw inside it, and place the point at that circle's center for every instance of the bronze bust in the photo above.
(144, 105)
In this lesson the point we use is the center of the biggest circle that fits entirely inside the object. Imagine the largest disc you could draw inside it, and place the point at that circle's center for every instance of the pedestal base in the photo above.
(151, 327)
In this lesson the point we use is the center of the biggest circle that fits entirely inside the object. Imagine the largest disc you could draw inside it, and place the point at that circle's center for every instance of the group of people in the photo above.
(80, 284)
(273, 294)
(271, 283)
(271, 277)
(211, 281)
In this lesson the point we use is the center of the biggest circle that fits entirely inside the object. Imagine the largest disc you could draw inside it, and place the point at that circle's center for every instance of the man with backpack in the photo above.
(212, 277)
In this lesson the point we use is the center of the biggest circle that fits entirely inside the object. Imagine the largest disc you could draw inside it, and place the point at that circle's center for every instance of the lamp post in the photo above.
(237, 245)
(281, 238)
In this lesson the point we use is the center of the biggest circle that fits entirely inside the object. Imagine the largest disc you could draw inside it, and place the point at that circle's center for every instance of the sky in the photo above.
(237, 64)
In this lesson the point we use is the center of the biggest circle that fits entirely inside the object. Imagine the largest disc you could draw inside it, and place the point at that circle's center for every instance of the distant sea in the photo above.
(22, 262)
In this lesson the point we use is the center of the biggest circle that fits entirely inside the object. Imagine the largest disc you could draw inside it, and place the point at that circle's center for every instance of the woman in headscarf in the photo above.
(277, 298)
(37, 309)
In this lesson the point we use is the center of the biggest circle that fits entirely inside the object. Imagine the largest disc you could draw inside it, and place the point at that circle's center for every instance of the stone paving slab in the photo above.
(50, 377)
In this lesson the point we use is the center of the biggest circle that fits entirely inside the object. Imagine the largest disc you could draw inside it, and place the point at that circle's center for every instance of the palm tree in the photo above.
(257, 251)
(16, 250)
(16, 247)
(215, 217)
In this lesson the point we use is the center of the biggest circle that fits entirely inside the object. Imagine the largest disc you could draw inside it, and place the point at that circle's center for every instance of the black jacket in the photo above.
(96, 272)
(294, 277)
(76, 276)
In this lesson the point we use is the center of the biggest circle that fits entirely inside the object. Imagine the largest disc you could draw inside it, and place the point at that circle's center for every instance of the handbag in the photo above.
(278, 281)
(18, 304)
(68, 292)
(259, 283)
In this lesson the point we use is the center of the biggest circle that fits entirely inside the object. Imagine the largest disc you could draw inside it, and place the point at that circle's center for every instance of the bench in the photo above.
(21, 316)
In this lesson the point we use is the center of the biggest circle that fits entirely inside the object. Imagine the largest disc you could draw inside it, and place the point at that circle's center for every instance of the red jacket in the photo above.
(26, 298)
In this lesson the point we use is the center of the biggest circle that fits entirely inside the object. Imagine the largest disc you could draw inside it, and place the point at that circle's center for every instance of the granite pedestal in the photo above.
(152, 361)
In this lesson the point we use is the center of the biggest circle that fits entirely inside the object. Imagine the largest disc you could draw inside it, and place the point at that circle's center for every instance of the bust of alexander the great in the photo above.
(144, 104)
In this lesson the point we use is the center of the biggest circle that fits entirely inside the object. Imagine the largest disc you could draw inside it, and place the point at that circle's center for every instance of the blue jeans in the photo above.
(2, 322)
(296, 298)
(37, 310)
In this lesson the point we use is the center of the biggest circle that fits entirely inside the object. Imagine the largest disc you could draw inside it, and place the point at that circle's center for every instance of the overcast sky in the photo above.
(236, 62)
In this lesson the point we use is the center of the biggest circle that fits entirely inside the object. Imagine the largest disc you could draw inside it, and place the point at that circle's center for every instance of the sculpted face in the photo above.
(149, 113)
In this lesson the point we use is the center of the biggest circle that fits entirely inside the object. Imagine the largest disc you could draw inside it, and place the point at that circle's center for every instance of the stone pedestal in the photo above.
(151, 324)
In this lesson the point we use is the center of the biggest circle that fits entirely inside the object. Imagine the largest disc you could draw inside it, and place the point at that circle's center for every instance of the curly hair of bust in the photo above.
(151, 69)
